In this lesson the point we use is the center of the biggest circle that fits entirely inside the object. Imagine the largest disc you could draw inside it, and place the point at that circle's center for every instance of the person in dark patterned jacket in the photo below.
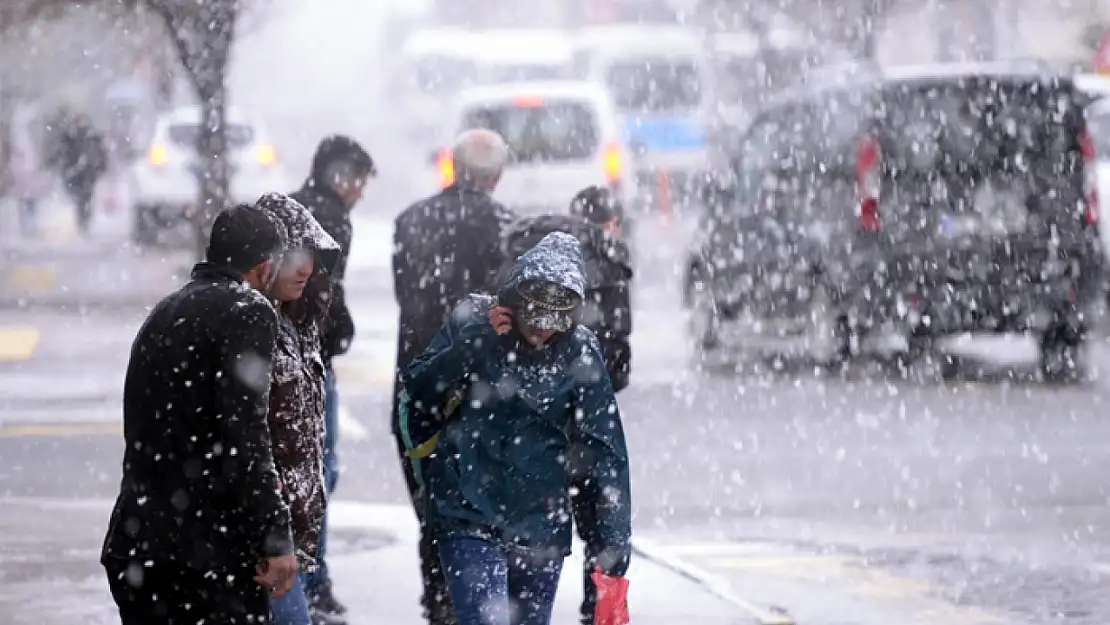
(296, 417)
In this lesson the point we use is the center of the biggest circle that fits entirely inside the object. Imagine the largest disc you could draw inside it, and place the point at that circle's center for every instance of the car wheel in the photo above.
(144, 229)
(704, 323)
(830, 338)
(692, 285)
(922, 360)
(1062, 356)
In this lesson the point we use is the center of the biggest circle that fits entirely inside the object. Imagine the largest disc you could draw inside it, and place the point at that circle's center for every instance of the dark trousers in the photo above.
(435, 599)
(492, 585)
(163, 593)
(585, 519)
(81, 192)
(320, 581)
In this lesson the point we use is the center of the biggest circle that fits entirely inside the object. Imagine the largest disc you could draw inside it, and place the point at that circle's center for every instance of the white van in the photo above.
(562, 136)
(521, 55)
(660, 85)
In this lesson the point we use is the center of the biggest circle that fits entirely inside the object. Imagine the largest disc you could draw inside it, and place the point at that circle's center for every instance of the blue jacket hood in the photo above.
(557, 258)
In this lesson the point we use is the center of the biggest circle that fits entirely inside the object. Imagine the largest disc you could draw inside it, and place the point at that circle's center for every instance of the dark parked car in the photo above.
(924, 203)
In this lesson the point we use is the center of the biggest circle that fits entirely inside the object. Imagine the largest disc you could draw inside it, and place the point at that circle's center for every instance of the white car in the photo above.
(563, 136)
(164, 186)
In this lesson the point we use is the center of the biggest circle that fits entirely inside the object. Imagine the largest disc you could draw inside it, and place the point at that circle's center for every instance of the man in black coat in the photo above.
(595, 220)
(80, 157)
(340, 169)
(199, 531)
(444, 248)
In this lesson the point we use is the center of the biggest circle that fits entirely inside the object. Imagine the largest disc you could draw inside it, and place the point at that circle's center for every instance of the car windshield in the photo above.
(540, 132)
(655, 85)
(185, 135)
(441, 74)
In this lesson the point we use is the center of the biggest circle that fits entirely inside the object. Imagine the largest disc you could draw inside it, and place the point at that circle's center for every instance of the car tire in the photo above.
(922, 358)
(693, 284)
(144, 230)
(1062, 355)
(704, 322)
(831, 335)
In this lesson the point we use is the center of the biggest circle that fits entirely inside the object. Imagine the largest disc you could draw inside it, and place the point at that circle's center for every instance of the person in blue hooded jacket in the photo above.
(534, 409)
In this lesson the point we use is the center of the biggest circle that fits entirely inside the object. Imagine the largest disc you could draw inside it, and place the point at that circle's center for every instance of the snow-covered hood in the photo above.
(557, 259)
(299, 229)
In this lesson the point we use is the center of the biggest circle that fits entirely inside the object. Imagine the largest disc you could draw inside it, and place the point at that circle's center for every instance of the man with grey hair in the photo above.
(479, 156)
(444, 248)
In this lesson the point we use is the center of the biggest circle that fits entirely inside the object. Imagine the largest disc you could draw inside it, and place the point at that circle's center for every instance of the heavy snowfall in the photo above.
(870, 349)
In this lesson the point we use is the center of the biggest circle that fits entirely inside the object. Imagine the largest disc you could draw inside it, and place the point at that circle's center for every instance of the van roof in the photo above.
(637, 40)
(747, 43)
(450, 41)
(554, 89)
(522, 46)
(911, 74)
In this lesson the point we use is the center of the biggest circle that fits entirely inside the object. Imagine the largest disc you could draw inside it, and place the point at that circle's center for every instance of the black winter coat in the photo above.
(607, 307)
(199, 486)
(330, 211)
(444, 248)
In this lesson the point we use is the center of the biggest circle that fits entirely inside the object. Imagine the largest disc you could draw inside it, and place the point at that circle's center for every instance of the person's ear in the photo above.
(266, 273)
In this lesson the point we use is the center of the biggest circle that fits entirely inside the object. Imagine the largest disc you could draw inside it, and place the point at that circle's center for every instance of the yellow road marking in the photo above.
(60, 429)
(865, 581)
(33, 278)
(18, 344)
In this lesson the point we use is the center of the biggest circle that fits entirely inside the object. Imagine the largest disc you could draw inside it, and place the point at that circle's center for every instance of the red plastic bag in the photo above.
(612, 599)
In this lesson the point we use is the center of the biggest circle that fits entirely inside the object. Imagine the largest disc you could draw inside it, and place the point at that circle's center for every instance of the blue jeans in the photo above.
(494, 585)
(292, 607)
(315, 581)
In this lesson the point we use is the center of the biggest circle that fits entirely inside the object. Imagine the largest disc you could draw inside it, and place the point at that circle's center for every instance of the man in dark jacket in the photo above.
(80, 157)
(444, 248)
(340, 170)
(199, 531)
(594, 219)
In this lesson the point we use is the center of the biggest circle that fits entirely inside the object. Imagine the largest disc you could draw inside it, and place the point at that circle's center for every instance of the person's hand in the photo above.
(501, 318)
(277, 575)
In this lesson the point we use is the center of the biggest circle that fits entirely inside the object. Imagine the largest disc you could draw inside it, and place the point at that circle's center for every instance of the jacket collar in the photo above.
(211, 271)
(332, 203)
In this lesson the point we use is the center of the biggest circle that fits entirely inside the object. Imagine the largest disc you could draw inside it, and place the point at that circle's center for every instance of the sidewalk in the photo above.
(49, 574)
(62, 269)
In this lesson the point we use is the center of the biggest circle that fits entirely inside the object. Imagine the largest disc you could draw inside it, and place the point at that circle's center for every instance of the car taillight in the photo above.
(445, 164)
(267, 155)
(159, 155)
(612, 162)
(868, 168)
(1090, 178)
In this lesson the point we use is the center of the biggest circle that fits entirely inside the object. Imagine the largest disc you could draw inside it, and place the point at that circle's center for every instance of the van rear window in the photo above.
(655, 85)
(540, 132)
(995, 155)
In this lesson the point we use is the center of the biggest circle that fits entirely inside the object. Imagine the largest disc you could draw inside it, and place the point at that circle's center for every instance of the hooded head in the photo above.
(547, 284)
(302, 237)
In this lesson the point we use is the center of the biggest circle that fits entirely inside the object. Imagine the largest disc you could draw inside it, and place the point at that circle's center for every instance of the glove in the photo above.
(612, 599)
